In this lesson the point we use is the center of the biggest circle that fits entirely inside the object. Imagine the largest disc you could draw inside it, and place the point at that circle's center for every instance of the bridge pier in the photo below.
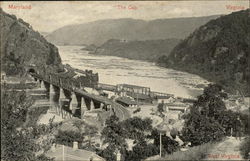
(92, 106)
(52, 95)
(83, 107)
(61, 94)
(101, 105)
(42, 85)
(52, 89)
(73, 103)
(167, 109)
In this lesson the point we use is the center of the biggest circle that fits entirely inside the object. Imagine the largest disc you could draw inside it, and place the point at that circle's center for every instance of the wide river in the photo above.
(115, 70)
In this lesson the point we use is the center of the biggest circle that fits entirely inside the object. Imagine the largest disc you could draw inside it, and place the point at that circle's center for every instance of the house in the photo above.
(66, 153)
(165, 99)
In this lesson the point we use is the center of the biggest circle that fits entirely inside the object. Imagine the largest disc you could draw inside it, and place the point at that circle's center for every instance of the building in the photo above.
(165, 99)
(133, 88)
(66, 153)
(139, 93)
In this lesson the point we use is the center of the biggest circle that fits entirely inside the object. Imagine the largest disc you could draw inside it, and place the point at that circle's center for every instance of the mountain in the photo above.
(149, 50)
(217, 51)
(21, 46)
(98, 32)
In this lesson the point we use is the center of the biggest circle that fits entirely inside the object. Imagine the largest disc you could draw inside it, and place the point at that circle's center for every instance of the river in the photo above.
(115, 70)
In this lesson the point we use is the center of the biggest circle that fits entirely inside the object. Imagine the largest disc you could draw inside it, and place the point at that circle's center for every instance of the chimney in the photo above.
(75, 145)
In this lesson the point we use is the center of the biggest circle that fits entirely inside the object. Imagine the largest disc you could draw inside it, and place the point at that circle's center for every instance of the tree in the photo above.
(168, 145)
(68, 137)
(141, 151)
(17, 142)
(136, 127)
(199, 129)
(160, 107)
(89, 131)
(210, 103)
(108, 153)
(208, 119)
(113, 133)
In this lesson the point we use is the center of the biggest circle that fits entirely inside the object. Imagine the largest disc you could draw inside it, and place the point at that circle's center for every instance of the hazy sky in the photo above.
(48, 16)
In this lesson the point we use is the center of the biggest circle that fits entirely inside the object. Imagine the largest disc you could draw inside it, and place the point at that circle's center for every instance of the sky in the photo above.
(49, 16)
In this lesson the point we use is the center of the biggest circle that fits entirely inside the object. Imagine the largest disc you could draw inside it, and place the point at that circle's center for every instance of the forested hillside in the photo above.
(149, 50)
(217, 51)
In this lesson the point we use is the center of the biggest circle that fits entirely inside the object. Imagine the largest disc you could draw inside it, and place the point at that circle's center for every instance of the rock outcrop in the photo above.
(21, 46)
(217, 51)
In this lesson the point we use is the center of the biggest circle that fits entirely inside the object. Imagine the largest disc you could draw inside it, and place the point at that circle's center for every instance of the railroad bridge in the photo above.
(64, 89)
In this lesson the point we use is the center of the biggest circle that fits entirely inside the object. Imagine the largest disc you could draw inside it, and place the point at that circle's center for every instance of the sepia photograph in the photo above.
(125, 80)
